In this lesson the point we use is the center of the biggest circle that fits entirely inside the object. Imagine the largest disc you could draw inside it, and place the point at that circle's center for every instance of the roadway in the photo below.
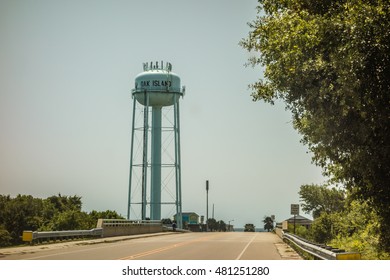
(179, 246)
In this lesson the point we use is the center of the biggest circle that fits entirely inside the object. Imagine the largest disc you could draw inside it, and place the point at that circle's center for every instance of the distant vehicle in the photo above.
(249, 227)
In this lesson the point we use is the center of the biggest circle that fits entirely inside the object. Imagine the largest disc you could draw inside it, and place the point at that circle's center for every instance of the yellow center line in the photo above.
(162, 249)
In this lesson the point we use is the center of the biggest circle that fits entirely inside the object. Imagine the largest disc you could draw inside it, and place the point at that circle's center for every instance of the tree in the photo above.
(268, 223)
(71, 220)
(108, 214)
(321, 230)
(20, 213)
(25, 212)
(4, 201)
(329, 61)
(357, 230)
(64, 203)
(212, 224)
(5, 237)
(221, 226)
(318, 199)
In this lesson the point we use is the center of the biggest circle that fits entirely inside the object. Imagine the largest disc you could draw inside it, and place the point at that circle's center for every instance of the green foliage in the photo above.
(299, 230)
(51, 214)
(5, 237)
(355, 229)
(64, 203)
(319, 199)
(94, 216)
(108, 214)
(221, 226)
(215, 225)
(70, 220)
(21, 213)
(358, 230)
(322, 229)
(268, 223)
(329, 61)
(212, 224)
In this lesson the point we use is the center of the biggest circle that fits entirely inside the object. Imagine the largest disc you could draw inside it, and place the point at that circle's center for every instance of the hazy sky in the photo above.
(66, 72)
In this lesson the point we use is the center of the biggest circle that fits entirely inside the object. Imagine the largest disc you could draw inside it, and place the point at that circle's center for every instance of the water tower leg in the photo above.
(145, 155)
(155, 196)
(131, 161)
(179, 216)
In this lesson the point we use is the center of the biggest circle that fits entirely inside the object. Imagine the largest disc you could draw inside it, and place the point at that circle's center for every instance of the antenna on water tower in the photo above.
(156, 89)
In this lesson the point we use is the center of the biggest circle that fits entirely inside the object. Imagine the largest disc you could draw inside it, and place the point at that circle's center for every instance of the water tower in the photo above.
(155, 167)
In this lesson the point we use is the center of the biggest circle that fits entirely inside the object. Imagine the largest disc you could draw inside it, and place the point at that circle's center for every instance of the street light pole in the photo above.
(207, 205)
(229, 224)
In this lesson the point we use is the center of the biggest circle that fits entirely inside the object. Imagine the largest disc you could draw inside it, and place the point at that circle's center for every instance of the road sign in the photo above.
(294, 209)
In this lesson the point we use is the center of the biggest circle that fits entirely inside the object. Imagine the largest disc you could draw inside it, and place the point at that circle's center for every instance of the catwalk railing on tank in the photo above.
(160, 89)
(105, 228)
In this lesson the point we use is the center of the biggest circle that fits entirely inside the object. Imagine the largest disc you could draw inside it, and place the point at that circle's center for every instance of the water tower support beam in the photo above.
(145, 154)
(178, 162)
(155, 196)
(131, 160)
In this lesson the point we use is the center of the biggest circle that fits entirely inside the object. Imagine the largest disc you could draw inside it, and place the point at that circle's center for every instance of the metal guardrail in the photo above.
(320, 251)
(30, 236)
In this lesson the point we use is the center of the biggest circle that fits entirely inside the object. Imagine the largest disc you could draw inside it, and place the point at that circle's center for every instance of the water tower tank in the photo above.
(159, 82)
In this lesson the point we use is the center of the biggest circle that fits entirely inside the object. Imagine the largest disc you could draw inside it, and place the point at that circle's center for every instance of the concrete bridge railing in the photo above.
(120, 227)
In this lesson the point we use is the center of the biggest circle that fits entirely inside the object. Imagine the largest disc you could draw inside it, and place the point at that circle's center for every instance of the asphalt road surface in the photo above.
(179, 246)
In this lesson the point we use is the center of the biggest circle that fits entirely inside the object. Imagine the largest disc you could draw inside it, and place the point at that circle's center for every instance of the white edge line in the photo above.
(246, 247)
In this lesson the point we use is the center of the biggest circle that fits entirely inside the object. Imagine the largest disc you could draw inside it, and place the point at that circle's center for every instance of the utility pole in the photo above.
(207, 205)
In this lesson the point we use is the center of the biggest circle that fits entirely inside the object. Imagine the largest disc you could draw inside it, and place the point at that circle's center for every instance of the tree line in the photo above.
(341, 221)
(329, 62)
(215, 225)
(57, 212)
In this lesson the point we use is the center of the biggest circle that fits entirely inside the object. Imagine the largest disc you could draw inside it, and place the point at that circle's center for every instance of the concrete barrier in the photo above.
(279, 232)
